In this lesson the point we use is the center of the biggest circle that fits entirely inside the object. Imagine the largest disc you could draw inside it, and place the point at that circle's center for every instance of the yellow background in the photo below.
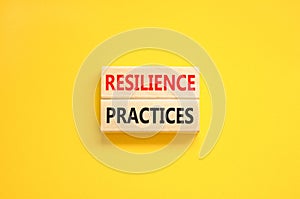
(255, 45)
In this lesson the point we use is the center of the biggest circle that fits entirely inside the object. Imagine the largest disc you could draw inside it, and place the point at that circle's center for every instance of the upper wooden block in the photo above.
(149, 82)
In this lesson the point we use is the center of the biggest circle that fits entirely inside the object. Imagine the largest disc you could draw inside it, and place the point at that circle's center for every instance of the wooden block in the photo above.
(149, 115)
(150, 82)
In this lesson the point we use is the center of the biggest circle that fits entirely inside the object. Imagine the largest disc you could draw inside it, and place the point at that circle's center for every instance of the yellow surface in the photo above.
(255, 45)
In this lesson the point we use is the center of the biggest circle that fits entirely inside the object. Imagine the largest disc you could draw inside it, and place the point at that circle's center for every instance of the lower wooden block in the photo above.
(149, 115)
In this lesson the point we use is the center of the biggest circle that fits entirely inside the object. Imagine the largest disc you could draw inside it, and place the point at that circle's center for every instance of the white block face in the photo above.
(149, 115)
(150, 82)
